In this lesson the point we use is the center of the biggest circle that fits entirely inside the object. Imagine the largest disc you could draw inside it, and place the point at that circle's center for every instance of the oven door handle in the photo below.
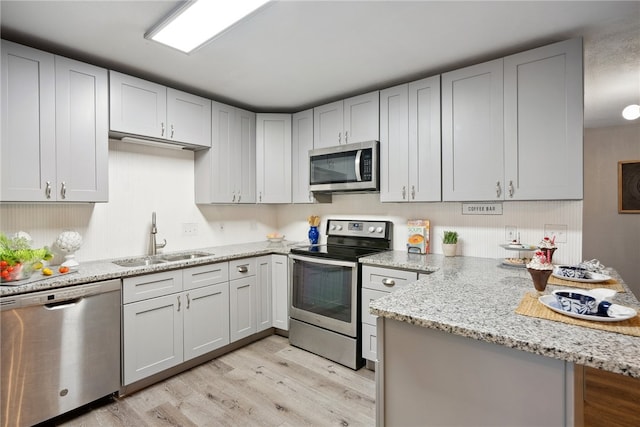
(323, 261)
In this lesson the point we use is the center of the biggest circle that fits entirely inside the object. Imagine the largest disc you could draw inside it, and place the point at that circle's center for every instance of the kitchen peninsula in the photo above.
(451, 348)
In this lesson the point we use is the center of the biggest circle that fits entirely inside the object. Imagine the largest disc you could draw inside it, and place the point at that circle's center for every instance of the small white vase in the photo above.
(449, 249)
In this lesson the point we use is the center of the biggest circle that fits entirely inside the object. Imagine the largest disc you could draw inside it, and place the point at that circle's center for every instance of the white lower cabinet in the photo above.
(280, 291)
(263, 293)
(171, 317)
(242, 298)
(376, 283)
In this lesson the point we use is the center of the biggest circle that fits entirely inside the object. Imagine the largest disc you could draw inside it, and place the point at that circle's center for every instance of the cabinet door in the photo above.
(215, 169)
(82, 129)
(273, 158)
(369, 342)
(206, 319)
(472, 133)
(543, 122)
(137, 106)
(328, 125)
(280, 291)
(301, 143)
(244, 146)
(152, 336)
(188, 118)
(242, 308)
(27, 149)
(394, 144)
(263, 293)
(424, 141)
(362, 118)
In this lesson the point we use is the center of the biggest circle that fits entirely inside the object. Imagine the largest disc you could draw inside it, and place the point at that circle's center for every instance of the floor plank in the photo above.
(267, 383)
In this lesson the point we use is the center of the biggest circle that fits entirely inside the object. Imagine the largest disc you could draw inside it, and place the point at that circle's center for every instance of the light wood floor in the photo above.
(267, 383)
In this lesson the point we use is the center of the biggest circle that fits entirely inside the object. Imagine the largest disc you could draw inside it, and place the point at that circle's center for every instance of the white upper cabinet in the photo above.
(410, 142)
(472, 133)
(273, 158)
(226, 173)
(54, 128)
(143, 108)
(543, 122)
(354, 119)
(302, 142)
(506, 120)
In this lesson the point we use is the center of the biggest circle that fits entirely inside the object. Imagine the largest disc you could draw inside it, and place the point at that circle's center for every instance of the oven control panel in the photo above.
(355, 228)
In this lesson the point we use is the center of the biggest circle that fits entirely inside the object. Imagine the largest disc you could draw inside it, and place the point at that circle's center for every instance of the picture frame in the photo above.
(629, 186)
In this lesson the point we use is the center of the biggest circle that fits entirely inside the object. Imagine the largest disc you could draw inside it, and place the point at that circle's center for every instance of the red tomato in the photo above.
(63, 269)
(3, 264)
(4, 274)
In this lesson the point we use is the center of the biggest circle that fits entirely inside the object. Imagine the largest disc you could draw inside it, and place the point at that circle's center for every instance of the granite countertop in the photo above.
(477, 298)
(96, 271)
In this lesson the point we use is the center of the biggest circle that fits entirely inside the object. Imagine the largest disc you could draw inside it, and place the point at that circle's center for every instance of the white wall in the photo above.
(143, 179)
(609, 236)
(480, 235)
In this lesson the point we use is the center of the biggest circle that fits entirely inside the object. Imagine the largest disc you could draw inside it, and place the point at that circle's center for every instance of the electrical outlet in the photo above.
(189, 229)
(510, 233)
(559, 231)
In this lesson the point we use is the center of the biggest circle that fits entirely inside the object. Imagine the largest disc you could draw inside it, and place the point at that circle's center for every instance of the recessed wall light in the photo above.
(631, 112)
(199, 21)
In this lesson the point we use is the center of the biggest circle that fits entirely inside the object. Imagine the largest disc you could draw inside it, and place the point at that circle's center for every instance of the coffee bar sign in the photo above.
(482, 209)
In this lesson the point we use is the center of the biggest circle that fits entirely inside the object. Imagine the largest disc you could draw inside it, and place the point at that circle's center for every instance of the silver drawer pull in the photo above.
(388, 282)
(243, 269)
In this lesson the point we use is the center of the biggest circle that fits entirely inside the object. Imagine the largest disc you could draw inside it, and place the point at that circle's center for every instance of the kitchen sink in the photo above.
(159, 259)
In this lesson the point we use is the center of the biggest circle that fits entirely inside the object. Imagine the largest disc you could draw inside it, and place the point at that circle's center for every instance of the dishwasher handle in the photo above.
(61, 305)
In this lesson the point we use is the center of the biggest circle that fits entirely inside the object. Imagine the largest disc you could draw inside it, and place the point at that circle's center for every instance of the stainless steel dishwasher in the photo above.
(60, 350)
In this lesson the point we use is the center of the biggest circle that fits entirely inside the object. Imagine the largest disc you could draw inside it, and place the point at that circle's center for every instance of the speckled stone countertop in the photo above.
(477, 298)
(96, 271)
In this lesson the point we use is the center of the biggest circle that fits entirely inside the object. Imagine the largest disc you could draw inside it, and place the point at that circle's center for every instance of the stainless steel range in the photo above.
(325, 289)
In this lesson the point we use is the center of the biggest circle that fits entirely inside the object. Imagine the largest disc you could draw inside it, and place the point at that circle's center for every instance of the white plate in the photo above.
(617, 312)
(595, 277)
(519, 247)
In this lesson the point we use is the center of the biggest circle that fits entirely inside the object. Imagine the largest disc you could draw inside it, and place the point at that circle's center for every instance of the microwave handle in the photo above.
(358, 174)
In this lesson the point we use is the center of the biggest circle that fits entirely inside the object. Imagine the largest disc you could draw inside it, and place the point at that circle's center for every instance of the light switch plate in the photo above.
(559, 231)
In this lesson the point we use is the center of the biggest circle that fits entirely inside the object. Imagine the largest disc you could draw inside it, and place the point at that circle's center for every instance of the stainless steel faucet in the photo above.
(154, 230)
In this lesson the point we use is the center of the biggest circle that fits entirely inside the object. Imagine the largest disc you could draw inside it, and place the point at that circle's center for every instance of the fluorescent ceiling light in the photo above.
(631, 112)
(200, 21)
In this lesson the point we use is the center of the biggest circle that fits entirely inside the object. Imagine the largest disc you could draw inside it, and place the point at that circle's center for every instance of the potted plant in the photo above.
(450, 243)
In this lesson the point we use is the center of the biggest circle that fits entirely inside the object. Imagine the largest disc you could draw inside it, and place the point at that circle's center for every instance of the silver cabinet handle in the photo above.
(179, 303)
(63, 190)
(346, 136)
(233, 200)
(404, 192)
(47, 190)
(511, 189)
(339, 137)
(242, 269)
(413, 192)
(188, 302)
(388, 282)
(162, 129)
(498, 189)
(260, 196)
(172, 132)
(239, 197)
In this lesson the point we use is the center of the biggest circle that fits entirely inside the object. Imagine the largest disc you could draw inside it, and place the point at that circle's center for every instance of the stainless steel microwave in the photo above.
(347, 167)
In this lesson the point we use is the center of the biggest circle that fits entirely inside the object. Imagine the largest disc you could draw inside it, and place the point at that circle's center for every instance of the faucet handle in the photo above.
(161, 245)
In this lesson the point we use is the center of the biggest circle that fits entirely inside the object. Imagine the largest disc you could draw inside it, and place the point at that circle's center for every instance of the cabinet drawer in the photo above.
(151, 285)
(386, 279)
(242, 268)
(369, 342)
(204, 275)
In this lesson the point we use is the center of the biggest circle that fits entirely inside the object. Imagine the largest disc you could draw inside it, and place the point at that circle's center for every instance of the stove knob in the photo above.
(372, 229)
(333, 227)
(379, 230)
(338, 227)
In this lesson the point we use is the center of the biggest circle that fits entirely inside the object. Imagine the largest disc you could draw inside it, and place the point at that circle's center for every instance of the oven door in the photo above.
(324, 293)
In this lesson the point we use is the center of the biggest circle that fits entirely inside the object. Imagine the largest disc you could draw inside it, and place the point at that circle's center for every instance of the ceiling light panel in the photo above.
(200, 21)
